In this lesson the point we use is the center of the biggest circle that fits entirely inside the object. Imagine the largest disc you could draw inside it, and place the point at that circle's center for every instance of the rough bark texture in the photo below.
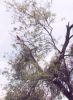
(68, 92)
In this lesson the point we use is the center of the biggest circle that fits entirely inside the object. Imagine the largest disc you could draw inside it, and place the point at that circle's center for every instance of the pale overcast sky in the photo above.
(63, 10)
(5, 28)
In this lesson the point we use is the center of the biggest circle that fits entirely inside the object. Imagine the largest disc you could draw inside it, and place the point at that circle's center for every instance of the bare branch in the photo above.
(70, 36)
(68, 55)
(54, 45)
(31, 55)
(67, 38)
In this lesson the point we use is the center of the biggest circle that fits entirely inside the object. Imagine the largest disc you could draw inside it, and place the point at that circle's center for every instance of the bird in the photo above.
(18, 38)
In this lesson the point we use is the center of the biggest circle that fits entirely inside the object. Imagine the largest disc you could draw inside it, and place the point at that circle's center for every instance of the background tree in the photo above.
(34, 41)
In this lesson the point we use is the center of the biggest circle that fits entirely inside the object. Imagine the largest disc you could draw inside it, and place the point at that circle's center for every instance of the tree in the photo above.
(35, 40)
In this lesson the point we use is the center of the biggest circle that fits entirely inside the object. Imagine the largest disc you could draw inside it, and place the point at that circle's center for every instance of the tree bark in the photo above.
(64, 90)
(70, 96)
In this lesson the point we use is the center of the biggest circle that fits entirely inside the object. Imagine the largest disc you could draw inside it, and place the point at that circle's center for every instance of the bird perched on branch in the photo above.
(18, 38)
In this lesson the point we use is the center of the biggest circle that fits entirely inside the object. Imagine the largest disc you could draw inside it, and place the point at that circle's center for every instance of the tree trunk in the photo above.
(69, 96)
(67, 93)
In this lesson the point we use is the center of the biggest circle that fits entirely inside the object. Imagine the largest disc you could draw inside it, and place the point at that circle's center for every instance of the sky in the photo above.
(5, 43)
(64, 14)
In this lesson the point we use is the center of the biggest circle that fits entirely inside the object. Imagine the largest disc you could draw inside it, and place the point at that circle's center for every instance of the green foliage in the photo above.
(34, 40)
(18, 95)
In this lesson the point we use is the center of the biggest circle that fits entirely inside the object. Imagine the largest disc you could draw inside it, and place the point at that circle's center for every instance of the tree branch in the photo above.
(70, 36)
(32, 88)
(68, 55)
(61, 87)
(67, 38)
(30, 54)
(54, 45)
